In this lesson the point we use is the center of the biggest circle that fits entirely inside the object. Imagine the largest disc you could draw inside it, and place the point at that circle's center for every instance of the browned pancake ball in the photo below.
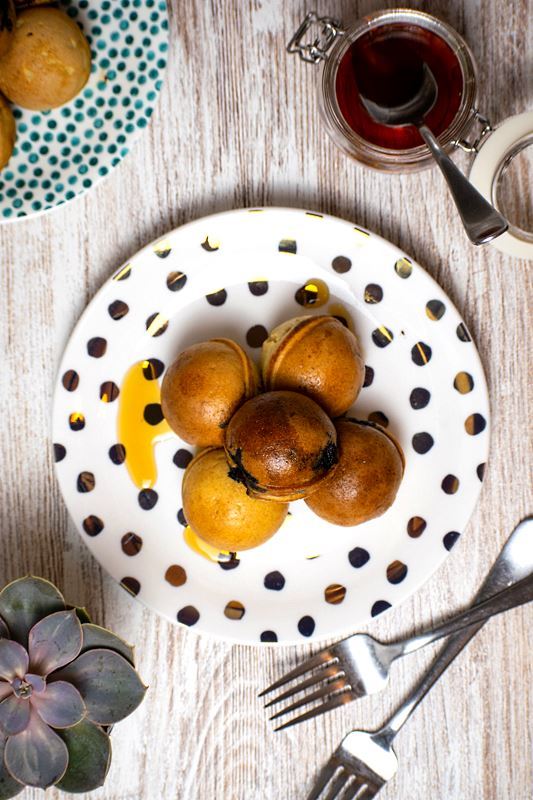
(281, 445)
(204, 387)
(368, 476)
(219, 510)
(7, 132)
(49, 61)
(7, 25)
(318, 356)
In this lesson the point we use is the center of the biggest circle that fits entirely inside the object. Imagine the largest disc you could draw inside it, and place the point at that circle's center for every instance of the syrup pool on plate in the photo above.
(140, 427)
(140, 422)
(315, 294)
(227, 559)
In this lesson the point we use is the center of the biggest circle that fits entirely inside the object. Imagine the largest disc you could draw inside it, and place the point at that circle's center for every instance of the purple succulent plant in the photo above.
(62, 683)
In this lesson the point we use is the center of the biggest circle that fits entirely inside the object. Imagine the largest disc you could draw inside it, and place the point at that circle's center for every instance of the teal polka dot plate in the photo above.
(60, 154)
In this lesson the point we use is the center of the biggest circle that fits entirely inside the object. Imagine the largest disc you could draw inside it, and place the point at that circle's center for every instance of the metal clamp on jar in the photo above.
(384, 50)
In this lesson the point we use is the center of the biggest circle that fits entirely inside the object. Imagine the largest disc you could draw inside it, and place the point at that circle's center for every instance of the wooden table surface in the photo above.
(237, 125)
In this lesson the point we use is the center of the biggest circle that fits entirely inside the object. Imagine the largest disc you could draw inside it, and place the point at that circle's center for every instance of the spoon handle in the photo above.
(481, 221)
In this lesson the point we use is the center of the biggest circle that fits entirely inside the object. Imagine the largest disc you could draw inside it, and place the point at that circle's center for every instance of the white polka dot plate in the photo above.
(237, 275)
(62, 153)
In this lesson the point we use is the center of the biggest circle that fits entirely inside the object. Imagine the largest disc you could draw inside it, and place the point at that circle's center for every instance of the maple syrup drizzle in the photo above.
(136, 435)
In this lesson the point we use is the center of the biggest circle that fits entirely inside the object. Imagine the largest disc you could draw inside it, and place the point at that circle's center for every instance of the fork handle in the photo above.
(516, 595)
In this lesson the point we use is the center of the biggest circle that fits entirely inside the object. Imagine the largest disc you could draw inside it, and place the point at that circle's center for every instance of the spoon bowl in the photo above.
(481, 221)
(413, 111)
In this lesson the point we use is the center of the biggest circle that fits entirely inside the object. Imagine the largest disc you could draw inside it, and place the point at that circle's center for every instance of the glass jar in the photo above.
(331, 50)
(324, 42)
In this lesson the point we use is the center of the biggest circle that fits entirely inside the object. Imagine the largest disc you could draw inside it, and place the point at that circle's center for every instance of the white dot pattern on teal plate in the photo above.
(62, 153)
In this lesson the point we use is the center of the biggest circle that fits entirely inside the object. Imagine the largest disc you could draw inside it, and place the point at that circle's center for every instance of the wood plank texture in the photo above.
(237, 125)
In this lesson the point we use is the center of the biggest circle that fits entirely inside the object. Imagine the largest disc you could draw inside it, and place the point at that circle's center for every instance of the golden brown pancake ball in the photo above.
(219, 510)
(318, 356)
(281, 445)
(7, 132)
(7, 25)
(49, 61)
(204, 387)
(368, 476)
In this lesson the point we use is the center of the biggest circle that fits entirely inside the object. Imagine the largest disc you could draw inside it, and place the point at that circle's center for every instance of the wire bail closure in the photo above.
(486, 128)
(315, 50)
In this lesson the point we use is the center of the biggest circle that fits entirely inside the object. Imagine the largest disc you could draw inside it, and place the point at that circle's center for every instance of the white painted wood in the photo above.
(236, 125)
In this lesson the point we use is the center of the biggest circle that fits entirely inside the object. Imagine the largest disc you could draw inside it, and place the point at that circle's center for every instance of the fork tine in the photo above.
(353, 789)
(335, 702)
(326, 671)
(368, 793)
(337, 785)
(330, 687)
(324, 656)
(324, 777)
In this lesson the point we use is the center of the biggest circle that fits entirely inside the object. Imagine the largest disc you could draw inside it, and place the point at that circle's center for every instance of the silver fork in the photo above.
(365, 761)
(359, 665)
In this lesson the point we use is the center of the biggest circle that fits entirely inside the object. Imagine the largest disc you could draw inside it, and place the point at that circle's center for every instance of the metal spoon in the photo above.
(481, 221)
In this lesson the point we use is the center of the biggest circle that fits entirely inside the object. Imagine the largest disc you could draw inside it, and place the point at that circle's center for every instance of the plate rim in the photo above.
(341, 632)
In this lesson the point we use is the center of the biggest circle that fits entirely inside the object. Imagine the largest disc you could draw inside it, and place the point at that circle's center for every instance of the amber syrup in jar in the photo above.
(385, 64)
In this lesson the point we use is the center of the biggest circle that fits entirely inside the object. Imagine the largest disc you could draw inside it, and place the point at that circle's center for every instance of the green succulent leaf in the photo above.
(107, 683)
(4, 634)
(81, 613)
(37, 756)
(9, 787)
(26, 601)
(89, 757)
(94, 636)
(54, 642)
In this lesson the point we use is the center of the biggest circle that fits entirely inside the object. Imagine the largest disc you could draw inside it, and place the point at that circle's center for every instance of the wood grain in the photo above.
(237, 125)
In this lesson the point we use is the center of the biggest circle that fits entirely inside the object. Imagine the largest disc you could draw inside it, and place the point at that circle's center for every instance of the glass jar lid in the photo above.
(501, 171)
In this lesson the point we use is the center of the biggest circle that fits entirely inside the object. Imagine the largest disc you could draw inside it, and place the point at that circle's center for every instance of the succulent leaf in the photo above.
(13, 660)
(96, 637)
(9, 787)
(37, 756)
(38, 684)
(108, 684)
(60, 706)
(25, 601)
(14, 715)
(54, 642)
(89, 750)
(4, 634)
(5, 690)
(82, 614)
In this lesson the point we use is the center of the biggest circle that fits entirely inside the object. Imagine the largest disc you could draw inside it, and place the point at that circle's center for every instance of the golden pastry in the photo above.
(219, 510)
(49, 61)
(204, 387)
(367, 478)
(281, 445)
(7, 25)
(317, 356)
(7, 132)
